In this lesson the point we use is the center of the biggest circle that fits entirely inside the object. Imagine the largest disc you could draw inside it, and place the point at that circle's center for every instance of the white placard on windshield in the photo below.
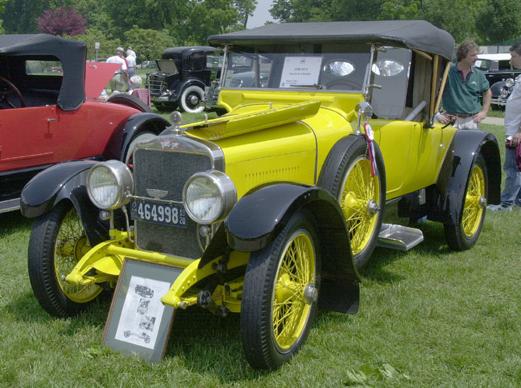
(300, 71)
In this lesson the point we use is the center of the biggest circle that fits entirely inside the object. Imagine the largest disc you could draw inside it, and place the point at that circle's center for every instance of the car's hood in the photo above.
(97, 76)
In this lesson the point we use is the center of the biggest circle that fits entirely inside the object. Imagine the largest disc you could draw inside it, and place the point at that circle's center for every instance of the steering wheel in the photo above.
(343, 84)
(11, 89)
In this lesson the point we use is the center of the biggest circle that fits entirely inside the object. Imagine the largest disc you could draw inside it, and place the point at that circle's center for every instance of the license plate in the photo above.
(159, 213)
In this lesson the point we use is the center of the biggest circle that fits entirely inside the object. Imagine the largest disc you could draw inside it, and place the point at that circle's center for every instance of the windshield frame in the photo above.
(364, 89)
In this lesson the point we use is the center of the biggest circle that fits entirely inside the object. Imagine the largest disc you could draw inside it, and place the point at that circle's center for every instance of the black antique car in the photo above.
(500, 75)
(182, 76)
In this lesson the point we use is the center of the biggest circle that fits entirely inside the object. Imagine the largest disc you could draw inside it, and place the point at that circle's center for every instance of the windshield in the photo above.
(167, 66)
(316, 67)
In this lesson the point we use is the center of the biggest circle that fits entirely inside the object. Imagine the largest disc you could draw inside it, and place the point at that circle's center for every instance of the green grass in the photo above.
(428, 317)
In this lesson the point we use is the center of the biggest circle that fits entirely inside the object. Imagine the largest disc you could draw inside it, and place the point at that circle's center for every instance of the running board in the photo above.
(9, 205)
(399, 237)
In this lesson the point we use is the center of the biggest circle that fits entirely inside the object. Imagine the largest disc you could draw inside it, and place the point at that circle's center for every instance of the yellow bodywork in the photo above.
(270, 137)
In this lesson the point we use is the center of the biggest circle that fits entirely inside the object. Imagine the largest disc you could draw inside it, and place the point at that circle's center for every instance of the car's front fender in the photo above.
(137, 123)
(258, 217)
(65, 181)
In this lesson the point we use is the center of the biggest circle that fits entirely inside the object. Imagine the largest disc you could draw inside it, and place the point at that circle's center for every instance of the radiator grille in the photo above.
(156, 84)
(167, 171)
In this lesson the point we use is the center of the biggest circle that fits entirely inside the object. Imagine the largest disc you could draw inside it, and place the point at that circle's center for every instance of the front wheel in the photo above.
(191, 100)
(465, 233)
(57, 243)
(280, 295)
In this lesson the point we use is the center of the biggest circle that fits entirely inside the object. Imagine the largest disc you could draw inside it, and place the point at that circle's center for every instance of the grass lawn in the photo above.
(428, 317)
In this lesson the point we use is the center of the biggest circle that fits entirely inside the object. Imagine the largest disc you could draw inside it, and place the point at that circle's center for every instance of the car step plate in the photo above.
(399, 237)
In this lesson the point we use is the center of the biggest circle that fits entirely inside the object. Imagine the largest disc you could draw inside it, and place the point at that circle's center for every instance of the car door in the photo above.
(395, 136)
(27, 137)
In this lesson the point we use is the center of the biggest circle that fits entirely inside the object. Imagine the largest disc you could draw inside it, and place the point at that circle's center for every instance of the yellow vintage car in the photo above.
(272, 209)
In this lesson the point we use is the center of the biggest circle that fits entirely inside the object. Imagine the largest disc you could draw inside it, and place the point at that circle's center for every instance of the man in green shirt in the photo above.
(465, 86)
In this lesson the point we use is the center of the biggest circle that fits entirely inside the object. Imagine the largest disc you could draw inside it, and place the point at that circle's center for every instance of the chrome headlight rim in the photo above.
(124, 183)
(227, 193)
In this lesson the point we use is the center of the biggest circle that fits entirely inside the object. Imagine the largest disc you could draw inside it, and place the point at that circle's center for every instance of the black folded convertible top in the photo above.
(415, 34)
(71, 54)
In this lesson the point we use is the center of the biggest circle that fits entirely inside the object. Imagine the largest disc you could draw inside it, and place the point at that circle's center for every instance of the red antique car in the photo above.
(50, 111)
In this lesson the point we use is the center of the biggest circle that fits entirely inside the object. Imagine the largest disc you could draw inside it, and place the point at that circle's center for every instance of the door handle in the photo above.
(50, 120)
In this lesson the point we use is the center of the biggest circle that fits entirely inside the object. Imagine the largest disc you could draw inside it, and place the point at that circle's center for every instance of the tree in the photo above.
(93, 35)
(148, 44)
(20, 16)
(62, 21)
(499, 21)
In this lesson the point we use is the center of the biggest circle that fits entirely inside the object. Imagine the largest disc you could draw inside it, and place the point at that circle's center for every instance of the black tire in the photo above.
(49, 237)
(465, 233)
(130, 101)
(265, 281)
(192, 99)
(141, 137)
(347, 153)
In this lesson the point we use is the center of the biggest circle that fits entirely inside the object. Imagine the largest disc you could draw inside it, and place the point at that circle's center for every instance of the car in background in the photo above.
(50, 111)
(183, 76)
(500, 75)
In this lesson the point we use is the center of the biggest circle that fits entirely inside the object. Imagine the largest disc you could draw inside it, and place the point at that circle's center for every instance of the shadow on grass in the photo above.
(210, 345)
(433, 245)
(25, 308)
(13, 222)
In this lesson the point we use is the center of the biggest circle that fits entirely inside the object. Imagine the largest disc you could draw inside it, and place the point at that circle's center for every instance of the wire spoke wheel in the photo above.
(465, 232)
(359, 199)
(58, 241)
(71, 245)
(290, 310)
(474, 208)
(279, 300)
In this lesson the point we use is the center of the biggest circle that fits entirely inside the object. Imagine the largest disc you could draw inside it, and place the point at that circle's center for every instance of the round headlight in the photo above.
(209, 196)
(110, 184)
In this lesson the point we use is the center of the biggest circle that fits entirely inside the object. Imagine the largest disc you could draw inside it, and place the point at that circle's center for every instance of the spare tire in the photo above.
(128, 100)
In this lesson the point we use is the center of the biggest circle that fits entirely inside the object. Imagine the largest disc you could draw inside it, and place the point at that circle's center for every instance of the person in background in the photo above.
(466, 86)
(131, 62)
(120, 80)
(511, 195)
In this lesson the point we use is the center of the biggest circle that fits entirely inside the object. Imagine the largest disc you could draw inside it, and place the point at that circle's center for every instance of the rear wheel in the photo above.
(57, 243)
(280, 295)
(465, 233)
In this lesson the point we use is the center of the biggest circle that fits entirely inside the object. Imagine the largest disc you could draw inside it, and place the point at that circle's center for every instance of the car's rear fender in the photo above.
(259, 216)
(446, 196)
(64, 182)
(137, 123)
(186, 83)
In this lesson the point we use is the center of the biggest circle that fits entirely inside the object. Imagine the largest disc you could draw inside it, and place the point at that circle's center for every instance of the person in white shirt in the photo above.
(120, 80)
(511, 194)
(131, 62)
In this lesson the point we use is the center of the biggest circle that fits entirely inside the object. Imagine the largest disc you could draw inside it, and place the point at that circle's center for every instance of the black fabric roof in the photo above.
(415, 34)
(185, 51)
(71, 54)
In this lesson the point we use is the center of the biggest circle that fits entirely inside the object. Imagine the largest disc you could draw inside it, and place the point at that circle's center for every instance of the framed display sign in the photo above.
(300, 71)
(138, 323)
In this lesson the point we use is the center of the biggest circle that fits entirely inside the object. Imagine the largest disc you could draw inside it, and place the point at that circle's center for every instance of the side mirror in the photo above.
(365, 112)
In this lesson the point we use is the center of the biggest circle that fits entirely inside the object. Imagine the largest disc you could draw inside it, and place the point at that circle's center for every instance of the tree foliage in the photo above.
(61, 21)
(499, 20)
(149, 44)
(492, 20)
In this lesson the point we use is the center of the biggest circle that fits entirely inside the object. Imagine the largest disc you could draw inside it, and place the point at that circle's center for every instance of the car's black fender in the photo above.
(186, 83)
(445, 198)
(259, 216)
(65, 181)
(136, 124)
